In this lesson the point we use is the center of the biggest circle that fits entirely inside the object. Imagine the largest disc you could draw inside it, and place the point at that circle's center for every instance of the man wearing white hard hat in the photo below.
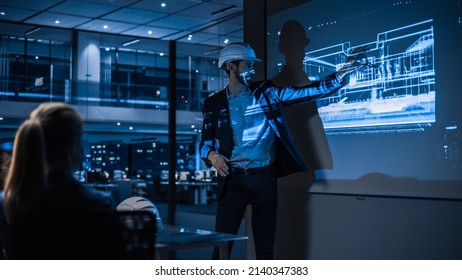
(246, 139)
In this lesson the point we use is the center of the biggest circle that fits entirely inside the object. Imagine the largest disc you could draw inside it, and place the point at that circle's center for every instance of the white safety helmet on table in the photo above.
(137, 203)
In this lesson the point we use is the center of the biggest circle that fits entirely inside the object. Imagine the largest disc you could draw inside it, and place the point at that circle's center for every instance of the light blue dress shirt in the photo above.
(253, 136)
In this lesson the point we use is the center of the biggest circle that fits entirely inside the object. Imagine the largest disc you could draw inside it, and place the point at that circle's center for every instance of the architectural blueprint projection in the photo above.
(394, 91)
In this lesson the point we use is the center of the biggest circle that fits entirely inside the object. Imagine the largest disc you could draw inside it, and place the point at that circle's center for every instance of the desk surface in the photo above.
(175, 237)
(191, 183)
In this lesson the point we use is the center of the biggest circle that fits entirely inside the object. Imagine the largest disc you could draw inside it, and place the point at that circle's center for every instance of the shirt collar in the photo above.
(247, 92)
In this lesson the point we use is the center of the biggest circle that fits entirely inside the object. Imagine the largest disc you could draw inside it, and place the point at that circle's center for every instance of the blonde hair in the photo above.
(26, 178)
(50, 140)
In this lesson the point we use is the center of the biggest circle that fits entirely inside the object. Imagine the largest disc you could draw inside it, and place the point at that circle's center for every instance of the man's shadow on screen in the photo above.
(308, 132)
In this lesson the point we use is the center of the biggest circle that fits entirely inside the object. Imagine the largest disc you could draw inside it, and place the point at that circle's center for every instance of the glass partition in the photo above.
(103, 76)
(133, 78)
(34, 70)
(98, 70)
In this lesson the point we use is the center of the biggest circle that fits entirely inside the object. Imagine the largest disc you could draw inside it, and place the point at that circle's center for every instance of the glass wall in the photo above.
(103, 76)
(138, 78)
(98, 70)
(133, 78)
(34, 70)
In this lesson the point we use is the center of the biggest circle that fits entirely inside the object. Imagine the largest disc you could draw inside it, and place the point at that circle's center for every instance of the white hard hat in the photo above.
(140, 203)
(236, 51)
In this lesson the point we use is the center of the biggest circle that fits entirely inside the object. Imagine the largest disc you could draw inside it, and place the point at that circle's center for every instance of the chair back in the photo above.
(139, 232)
(84, 236)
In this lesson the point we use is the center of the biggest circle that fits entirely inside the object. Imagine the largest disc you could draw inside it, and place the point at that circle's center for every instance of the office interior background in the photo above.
(118, 62)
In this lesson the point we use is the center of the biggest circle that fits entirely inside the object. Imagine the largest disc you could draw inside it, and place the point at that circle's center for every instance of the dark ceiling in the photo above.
(200, 22)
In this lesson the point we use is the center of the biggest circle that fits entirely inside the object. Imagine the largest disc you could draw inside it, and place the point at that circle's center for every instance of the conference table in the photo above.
(171, 238)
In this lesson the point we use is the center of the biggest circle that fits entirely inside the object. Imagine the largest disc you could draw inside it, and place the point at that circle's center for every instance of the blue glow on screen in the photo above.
(400, 116)
(398, 89)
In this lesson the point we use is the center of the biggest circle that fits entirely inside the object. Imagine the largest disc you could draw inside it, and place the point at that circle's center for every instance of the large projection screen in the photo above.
(399, 117)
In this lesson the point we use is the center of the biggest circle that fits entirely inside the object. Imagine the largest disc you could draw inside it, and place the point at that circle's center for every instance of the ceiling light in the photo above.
(213, 51)
(32, 30)
(57, 22)
(150, 32)
(105, 26)
(2, 13)
(190, 37)
(163, 5)
(130, 42)
(227, 9)
(226, 41)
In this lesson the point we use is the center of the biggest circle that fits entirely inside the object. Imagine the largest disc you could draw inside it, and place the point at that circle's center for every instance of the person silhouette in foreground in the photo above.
(49, 213)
